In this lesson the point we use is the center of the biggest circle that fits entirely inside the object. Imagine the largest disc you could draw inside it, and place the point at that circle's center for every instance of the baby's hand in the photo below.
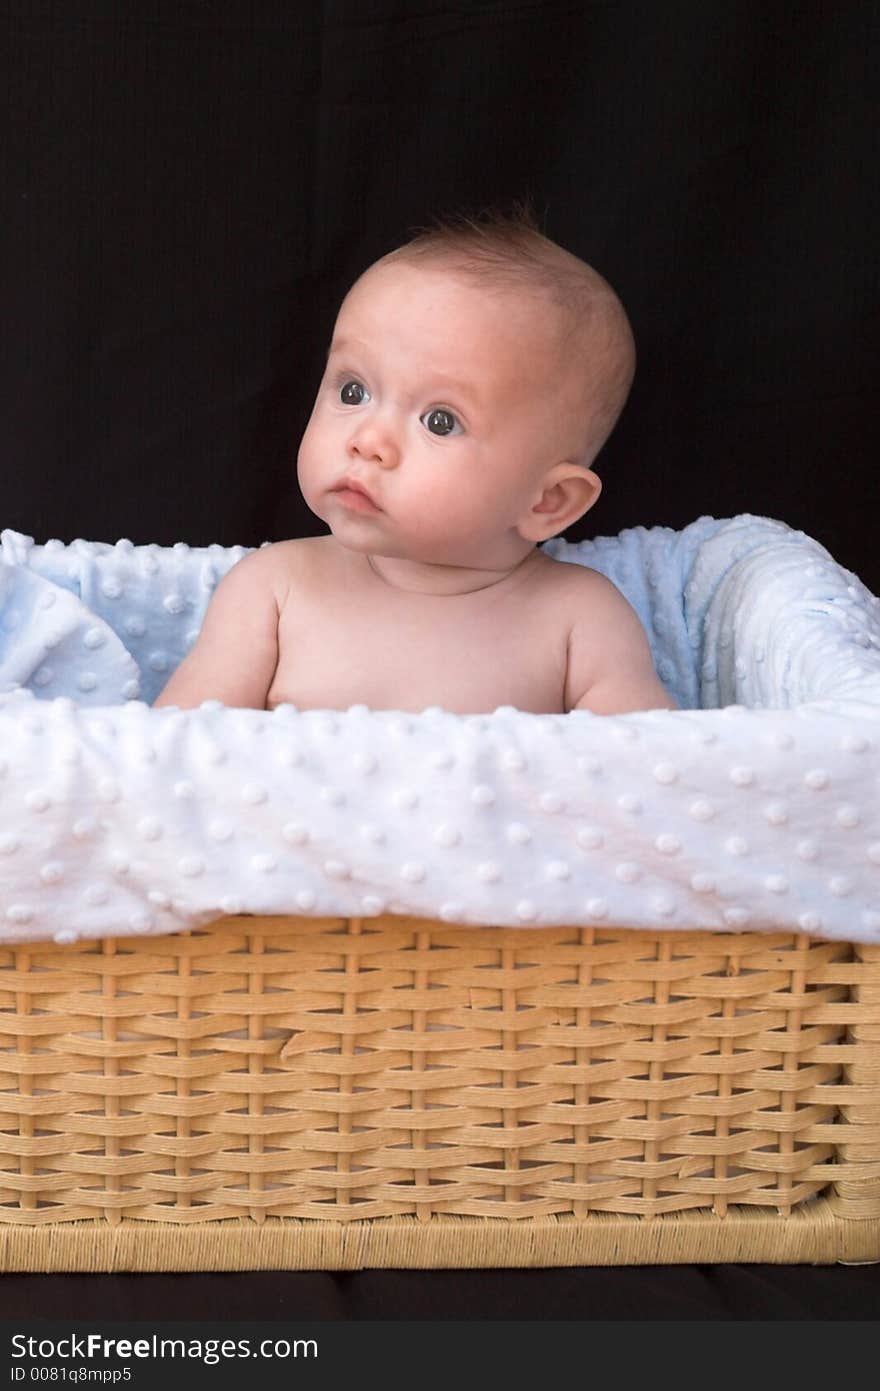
(610, 669)
(236, 653)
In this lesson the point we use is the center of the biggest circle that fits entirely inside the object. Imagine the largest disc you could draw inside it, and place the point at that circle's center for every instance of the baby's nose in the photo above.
(375, 441)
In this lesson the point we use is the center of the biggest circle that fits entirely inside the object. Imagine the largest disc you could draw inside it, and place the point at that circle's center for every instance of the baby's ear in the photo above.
(566, 493)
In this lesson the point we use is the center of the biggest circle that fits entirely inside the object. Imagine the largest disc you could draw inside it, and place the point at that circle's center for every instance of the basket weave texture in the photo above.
(340, 1070)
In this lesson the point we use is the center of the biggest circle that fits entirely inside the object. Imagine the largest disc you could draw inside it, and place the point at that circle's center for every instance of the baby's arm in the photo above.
(610, 668)
(236, 652)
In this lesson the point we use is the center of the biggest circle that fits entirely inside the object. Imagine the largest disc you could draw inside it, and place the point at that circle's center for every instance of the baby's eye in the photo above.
(441, 422)
(352, 393)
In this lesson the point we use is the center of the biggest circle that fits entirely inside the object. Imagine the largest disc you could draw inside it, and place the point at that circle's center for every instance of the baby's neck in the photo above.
(416, 577)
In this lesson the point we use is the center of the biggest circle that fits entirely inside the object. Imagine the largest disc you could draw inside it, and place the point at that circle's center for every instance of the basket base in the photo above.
(812, 1235)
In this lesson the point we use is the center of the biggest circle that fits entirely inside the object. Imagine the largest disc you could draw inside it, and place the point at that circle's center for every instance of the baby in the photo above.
(473, 376)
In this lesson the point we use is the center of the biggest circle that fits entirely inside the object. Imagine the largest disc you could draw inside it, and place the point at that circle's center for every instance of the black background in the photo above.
(190, 186)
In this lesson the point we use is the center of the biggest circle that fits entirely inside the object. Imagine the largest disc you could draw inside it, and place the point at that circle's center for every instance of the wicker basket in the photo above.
(308, 1093)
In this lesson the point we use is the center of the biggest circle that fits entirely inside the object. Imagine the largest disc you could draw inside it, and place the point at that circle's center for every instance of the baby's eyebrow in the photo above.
(459, 388)
(462, 388)
(338, 345)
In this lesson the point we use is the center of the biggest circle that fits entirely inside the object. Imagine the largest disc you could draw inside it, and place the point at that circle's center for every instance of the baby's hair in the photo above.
(507, 251)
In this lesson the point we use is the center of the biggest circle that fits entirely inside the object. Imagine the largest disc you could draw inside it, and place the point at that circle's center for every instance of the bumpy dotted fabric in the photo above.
(764, 814)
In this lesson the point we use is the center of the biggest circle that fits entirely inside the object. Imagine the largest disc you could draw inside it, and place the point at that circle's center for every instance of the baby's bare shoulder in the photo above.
(300, 551)
(574, 583)
(297, 563)
(594, 608)
(610, 668)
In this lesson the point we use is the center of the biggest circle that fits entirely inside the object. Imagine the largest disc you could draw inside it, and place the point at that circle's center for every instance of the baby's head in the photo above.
(473, 376)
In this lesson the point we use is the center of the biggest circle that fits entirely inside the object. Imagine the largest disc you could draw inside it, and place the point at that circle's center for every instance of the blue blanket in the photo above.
(753, 806)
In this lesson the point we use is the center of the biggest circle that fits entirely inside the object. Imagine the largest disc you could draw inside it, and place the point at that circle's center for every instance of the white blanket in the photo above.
(764, 815)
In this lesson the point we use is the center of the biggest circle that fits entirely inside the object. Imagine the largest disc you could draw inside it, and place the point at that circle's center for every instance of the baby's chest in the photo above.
(333, 655)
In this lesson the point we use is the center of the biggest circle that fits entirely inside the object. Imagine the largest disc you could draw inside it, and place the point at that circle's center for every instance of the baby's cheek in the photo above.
(308, 477)
(454, 526)
(444, 509)
(314, 446)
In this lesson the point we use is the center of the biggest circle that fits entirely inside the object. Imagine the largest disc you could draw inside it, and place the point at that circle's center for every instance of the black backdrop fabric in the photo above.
(189, 189)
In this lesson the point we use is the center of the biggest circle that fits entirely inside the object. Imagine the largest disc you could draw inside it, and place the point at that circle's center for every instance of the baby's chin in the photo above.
(381, 546)
(359, 533)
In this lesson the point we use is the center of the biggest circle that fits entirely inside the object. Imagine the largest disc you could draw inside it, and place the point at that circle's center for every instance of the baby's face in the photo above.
(444, 403)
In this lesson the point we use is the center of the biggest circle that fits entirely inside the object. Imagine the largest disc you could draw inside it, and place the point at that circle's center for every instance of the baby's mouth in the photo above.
(354, 495)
